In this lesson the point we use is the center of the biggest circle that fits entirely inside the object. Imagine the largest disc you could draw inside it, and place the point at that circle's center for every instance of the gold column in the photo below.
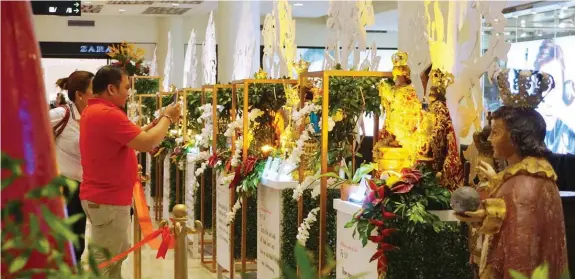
(323, 186)
(138, 233)
(214, 174)
(244, 159)
(233, 191)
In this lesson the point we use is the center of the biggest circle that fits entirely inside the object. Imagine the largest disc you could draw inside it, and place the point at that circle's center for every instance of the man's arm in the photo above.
(147, 140)
(149, 126)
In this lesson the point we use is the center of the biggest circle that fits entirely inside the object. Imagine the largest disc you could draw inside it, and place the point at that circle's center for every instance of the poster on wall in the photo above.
(552, 56)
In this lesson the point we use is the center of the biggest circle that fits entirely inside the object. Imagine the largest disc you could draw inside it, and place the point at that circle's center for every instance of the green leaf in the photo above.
(73, 219)
(517, 275)
(34, 225)
(18, 263)
(541, 272)
(58, 225)
(304, 262)
(349, 224)
(43, 246)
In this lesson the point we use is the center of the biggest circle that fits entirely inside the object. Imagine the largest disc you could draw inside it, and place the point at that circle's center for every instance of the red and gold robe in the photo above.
(524, 226)
(443, 148)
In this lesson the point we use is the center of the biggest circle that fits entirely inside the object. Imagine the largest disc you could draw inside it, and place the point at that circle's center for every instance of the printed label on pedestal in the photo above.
(223, 231)
(269, 220)
(352, 258)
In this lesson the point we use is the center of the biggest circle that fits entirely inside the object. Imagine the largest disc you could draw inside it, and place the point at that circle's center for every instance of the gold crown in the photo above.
(399, 58)
(530, 87)
(301, 66)
(440, 81)
(400, 67)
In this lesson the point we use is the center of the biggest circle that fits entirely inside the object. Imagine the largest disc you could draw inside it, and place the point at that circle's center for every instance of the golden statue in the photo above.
(398, 147)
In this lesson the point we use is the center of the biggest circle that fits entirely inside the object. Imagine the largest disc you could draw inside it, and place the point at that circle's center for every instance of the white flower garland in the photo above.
(303, 230)
(298, 191)
(295, 157)
(238, 152)
(232, 214)
(236, 158)
(208, 129)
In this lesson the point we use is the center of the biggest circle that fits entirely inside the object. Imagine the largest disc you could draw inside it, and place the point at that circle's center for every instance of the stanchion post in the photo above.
(180, 230)
(138, 233)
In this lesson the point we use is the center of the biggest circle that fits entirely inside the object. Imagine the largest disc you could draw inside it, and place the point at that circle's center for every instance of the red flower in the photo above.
(402, 188)
(388, 232)
(237, 178)
(411, 175)
(213, 160)
(376, 222)
(388, 215)
(250, 164)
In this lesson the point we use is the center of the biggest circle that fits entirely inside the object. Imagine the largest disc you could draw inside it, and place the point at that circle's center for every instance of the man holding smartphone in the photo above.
(108, 141)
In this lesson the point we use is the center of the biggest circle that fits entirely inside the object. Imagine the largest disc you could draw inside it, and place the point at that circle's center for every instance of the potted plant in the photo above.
(347, 179)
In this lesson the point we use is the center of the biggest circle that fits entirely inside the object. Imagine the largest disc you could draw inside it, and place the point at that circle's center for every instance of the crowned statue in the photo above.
(521, 219)
(397, 147)
(442, 146)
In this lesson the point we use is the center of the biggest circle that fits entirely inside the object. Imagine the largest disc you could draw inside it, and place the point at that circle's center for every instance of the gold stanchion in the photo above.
(138, 233)
(180, 230)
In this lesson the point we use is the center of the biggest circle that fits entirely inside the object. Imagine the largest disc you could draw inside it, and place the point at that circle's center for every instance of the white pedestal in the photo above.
(270, 218)
(353, 259)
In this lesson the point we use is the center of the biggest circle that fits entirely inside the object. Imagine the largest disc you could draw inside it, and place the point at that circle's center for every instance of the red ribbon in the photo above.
(166, 239)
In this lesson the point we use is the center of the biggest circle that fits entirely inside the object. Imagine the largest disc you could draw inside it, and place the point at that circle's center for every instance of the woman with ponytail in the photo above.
(65, 121)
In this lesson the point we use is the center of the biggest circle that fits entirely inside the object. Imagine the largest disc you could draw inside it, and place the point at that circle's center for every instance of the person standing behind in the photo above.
(65, 121)
(108, 141)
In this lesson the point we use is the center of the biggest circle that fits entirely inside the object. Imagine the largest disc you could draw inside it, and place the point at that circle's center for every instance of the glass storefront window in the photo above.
(542, 39)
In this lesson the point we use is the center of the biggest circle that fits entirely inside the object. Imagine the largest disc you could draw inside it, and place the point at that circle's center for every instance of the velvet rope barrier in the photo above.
(150, 235)
(143, 215)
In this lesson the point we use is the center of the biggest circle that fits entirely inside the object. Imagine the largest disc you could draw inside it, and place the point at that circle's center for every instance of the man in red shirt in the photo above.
(108, 141)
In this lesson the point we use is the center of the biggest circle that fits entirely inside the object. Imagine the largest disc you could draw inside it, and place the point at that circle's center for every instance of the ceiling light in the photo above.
(298, 4)
(533, 13)
(87, 2)
(121, 10)
(564, 8)
(175, 4)
(523, 35)
(562, 25)
(540, 34)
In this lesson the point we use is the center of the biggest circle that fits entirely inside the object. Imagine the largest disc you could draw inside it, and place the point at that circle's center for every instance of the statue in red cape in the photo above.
(26, 133)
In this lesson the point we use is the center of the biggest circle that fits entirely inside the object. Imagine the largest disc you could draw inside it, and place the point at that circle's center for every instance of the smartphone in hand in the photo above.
(175, 98)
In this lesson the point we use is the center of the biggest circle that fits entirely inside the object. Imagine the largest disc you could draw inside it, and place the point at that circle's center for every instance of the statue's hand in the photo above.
(486, 170)
(471, 216)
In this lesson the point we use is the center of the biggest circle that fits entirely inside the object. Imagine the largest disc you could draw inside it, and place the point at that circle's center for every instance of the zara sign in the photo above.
(75, 49)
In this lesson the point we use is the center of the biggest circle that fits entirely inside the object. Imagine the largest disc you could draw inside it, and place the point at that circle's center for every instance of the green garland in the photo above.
(290, 225)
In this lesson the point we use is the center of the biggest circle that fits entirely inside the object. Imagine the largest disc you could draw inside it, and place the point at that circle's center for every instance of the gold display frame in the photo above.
(325, 76)
(245, 127)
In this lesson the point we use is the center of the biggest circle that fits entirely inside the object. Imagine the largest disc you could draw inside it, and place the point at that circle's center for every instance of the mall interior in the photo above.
(317, 139)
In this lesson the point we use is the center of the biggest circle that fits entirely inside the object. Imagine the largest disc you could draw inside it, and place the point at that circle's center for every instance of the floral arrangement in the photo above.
(303, 230)
(399, 202)
(130, 58)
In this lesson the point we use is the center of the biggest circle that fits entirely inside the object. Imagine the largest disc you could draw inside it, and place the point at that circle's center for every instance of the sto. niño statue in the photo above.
(522, 217)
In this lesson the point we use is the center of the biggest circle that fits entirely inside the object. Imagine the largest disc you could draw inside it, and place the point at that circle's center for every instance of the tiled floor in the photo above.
(153, 268)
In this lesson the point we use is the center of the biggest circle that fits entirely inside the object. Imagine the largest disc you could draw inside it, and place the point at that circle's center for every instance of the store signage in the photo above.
(75, 49)
(94, 48)
(58, 8)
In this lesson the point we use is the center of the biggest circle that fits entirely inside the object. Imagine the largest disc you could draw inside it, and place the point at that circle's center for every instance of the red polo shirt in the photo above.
(110, 166)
